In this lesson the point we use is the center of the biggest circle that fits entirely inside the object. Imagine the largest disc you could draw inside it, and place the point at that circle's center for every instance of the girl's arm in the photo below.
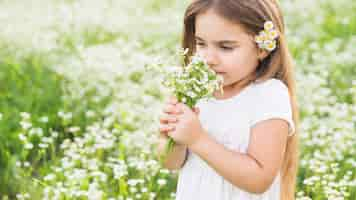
(176, 158)
(254, 171)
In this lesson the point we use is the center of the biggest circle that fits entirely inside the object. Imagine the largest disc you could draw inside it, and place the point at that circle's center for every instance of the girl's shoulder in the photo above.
(272, 100)
(268, 92)
(271, 83)
(270, 88)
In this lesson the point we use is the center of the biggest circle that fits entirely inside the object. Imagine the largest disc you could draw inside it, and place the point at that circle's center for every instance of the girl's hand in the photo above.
(186, 129)
(170, 118)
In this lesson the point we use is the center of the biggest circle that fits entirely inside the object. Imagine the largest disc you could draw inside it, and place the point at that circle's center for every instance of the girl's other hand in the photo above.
(169, 116)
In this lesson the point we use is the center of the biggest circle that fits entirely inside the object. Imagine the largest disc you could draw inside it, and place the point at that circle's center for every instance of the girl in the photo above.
(242, 144)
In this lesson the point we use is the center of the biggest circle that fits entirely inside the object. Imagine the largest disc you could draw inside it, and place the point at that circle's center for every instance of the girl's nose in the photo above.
(210, 57)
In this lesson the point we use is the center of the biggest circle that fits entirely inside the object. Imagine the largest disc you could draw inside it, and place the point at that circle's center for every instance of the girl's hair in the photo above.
(252, 14)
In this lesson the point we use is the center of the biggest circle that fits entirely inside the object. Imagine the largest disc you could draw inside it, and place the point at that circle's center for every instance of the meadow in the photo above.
(79, 111)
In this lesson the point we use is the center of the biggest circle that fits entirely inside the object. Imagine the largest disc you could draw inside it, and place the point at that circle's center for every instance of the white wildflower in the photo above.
(44, 119)
(161, 182)
(25, 115)
(29, 146)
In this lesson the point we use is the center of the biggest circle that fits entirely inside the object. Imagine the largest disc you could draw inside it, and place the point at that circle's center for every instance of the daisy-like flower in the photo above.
(273, 34)
(266, 39)
(268, 25)
(270, 45)
(261, 37)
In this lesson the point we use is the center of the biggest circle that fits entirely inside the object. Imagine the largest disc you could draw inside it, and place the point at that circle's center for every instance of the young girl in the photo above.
(242, 144)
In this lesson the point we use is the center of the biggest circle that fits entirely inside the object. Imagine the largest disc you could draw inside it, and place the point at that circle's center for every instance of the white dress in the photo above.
(229, 121)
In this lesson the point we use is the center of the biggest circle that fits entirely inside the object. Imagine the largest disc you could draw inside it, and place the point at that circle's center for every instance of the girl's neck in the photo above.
(232, 90)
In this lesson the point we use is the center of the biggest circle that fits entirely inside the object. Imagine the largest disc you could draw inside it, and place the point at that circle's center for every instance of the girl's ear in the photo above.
(262, 54)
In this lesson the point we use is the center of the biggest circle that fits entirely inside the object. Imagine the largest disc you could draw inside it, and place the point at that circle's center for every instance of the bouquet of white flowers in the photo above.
(191, 83)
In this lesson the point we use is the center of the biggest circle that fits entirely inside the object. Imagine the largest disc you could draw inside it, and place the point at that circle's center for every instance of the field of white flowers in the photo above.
(79, 113)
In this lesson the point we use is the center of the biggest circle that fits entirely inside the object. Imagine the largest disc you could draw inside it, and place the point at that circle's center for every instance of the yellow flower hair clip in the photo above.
(266, 39)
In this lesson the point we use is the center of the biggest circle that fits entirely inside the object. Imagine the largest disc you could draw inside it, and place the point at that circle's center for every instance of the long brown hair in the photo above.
(252, 14)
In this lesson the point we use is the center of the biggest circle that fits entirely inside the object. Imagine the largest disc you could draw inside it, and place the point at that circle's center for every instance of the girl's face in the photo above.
(228, 49)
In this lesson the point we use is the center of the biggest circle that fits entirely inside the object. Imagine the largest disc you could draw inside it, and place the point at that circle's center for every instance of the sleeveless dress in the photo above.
(229, 122)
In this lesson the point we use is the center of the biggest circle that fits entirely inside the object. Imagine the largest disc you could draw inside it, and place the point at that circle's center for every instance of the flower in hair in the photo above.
(266, 39)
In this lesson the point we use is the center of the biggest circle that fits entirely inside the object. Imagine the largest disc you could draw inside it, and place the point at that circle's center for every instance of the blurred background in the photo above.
(79, 113)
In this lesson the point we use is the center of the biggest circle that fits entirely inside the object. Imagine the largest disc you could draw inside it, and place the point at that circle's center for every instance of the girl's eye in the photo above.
(200, 44)
(226, 48)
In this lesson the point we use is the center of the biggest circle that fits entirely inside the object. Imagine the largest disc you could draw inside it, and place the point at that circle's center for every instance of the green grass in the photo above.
(28, 83)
